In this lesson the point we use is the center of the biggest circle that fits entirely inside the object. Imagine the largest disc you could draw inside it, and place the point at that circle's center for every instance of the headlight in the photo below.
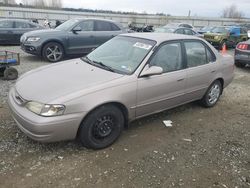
(52, 110)
(33, 39)
(35, 107)
(45, 109)
(217, 37)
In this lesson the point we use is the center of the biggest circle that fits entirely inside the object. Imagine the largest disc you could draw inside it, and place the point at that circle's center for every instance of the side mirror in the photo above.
(76, 29)
(150, 71)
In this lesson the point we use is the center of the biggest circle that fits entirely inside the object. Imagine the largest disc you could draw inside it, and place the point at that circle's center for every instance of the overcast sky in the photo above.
(211, 8)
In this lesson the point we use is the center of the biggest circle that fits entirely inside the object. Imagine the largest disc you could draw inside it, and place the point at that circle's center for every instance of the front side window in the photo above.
(6, 24)
(196, 54)
(121, 54)
(86, 25)
(114, 27)
(188, 32)
(168, 57)
(179, 31)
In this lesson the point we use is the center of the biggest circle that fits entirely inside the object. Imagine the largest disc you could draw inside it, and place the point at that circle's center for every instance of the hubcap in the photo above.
(214, 94)
(53, 53)
(103, 127)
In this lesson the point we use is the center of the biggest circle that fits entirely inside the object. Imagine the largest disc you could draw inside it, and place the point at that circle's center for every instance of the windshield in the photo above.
(67, 25)
(121, 54)
(220, 30)
(164, 30)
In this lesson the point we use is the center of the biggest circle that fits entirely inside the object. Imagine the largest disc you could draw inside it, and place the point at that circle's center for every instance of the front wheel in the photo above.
(53, 52)
(101, 127)
(212, 95)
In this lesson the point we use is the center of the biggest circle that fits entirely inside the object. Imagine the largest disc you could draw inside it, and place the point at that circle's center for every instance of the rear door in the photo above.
(6, 32)
(105, 30)
(82, 41)
(159, 92)
(201, 69)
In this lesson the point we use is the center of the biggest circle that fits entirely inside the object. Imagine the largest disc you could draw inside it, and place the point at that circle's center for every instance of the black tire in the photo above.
(102, 127)
(224, 42)
(2, 71)
(239, 64)
(212, 95)
(53, 52)
(10, 73)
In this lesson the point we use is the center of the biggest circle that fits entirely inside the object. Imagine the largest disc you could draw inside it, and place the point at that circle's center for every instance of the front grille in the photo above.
(19, 100)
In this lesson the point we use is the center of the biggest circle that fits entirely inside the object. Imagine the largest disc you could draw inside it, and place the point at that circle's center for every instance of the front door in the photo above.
(83, 41)
(159, 92)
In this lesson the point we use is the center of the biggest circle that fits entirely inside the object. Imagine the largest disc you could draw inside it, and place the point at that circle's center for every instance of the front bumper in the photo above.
(243, 57)
(44, 129)
(31, 48)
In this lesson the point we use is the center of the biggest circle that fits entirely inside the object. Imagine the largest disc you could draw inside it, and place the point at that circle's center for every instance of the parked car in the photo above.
(229, 36)
(177, 30)
(205, 29)
(73, 37)
(11, 30)
(247, 26)
(129, 77)
(242, 54)
(173, 24)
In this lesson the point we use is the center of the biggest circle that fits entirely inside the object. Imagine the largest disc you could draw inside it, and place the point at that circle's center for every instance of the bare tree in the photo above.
(43, 3)
(232, 12)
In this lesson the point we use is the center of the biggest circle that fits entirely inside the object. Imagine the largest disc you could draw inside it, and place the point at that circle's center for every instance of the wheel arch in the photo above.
(121, 106)
(53, 40)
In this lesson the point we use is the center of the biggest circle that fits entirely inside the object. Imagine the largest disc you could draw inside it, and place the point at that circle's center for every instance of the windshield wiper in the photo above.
(104, 66)
(97, 63)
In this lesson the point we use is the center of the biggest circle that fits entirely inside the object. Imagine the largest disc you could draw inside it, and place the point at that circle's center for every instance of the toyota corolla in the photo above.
(132, 75)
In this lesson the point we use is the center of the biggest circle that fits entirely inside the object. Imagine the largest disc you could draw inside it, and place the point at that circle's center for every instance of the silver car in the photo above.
(128, 77)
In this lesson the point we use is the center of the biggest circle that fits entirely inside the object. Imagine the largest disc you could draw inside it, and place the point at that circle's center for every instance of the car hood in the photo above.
(51, 82)
(44, 32)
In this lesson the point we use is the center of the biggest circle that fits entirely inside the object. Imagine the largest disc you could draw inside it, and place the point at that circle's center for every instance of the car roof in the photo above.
(160, 37)
(97, 19)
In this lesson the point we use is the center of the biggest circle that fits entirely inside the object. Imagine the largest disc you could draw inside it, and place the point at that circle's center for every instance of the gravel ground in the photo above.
(204, 148)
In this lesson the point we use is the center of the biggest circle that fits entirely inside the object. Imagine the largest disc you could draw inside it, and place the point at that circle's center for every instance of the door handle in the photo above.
(181, 79)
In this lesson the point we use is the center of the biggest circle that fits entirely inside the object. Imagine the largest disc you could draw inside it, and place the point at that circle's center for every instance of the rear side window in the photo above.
(114, 27)
(198, 54)
(22, 25)
(168, 57)
(103, 26)
(6, 24)
(87, 25)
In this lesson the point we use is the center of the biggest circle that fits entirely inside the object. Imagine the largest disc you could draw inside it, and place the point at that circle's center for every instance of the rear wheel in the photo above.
(239, 64)
(10, 73)
(212, 95)
(101, 127)
(53, 52)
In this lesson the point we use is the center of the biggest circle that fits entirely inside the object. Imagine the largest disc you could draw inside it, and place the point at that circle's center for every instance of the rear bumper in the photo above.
(44, 129)
(243, 57)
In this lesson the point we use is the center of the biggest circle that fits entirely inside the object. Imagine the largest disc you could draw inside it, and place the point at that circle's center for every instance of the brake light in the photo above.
(242, 46)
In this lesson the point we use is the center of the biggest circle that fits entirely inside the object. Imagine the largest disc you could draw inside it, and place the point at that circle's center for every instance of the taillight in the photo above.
(242, 46)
